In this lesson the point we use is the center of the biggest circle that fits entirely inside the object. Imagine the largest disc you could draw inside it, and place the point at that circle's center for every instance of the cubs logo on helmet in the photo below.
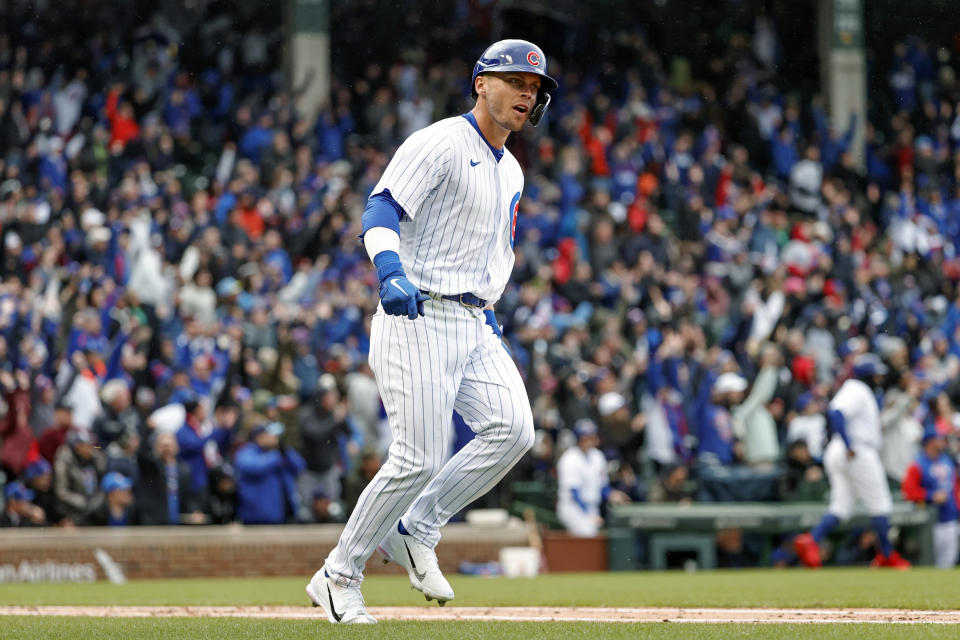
(522, 56)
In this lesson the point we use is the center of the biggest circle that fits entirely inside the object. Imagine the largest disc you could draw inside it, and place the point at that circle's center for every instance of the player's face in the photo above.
(511, 97)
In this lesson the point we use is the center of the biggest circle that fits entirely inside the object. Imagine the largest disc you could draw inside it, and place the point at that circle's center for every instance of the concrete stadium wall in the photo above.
(60, 555)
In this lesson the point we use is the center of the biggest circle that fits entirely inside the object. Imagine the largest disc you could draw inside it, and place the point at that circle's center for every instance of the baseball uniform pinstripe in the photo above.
(863, 476)
(460, 203)
(460, 196)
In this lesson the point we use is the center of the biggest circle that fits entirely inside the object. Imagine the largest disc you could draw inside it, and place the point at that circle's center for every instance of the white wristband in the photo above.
(379, 239)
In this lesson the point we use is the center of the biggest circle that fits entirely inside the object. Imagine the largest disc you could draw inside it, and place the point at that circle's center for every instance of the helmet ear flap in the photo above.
(477, 70)
(543, 101)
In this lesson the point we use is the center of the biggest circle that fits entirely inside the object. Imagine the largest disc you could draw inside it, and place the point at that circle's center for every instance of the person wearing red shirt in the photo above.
(18, 446)
(932, 479)
(123, 125)
(247, 216)
(55, 435)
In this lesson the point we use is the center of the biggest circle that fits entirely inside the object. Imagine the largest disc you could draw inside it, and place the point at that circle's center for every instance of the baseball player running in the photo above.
(852, 463)
(439, 227)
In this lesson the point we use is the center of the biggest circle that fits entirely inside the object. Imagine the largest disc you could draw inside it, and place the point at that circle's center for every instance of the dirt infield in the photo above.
(533, 614)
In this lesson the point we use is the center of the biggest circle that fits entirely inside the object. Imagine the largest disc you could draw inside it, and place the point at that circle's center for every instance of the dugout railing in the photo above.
(641, 535)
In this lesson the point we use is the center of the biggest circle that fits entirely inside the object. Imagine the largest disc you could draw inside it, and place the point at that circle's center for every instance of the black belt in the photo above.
(466, 299)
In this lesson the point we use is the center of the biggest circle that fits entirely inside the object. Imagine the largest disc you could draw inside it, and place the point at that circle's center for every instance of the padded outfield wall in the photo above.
(64, 555)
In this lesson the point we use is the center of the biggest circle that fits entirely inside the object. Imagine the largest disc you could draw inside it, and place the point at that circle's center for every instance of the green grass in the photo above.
(914, 589)
(30, 628)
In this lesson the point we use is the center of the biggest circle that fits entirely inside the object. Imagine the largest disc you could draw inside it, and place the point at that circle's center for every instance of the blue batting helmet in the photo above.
(517, 55)
(868, 365)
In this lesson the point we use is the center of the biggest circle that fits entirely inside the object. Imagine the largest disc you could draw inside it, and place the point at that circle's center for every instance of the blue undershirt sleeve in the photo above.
(382, 211)
(838, 425)
(580, 503)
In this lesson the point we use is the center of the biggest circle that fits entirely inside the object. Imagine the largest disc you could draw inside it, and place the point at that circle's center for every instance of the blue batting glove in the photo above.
(398, 296)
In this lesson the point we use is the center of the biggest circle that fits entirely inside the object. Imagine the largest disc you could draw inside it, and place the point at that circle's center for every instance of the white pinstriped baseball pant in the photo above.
(449, 359)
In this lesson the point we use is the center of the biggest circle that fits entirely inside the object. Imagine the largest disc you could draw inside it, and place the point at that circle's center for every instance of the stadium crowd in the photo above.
(185, 305)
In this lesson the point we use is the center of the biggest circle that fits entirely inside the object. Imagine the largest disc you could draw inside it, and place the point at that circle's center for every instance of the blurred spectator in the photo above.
(809, 425)
(195, 439)
(359, 477)
(118, 413)
(323, 509)
(902, 431)
(266, 478)
(323, 422)
(718, 444)
(123, 126)
(19, 510)
(753, 425)
(18, 446)
(79, 383)
(663, 445)
(222, 503)
(198, 299)
(584, 483)
(122, 454)
(169, 418)
(113, 506)
(620, 429)
(76, 474)
(55, 434)
(164, 492)
(38, 477)
(625, 479)
(363, 400)
(673, 485)
(806, 176)
(932, 479)
(803, 479)
(226, 419)
(42, 404)
(540, 464)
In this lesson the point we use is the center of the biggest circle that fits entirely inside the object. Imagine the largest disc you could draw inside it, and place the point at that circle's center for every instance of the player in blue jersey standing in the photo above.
(932, 479)
(439, 227)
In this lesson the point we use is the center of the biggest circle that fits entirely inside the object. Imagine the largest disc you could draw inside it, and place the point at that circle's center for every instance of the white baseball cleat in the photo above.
(421, 564)
(342, 604)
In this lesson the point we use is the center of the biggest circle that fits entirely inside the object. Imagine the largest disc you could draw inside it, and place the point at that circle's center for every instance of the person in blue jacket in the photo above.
(192, 439)
(266, 477)
(717, 444)
(932, 479)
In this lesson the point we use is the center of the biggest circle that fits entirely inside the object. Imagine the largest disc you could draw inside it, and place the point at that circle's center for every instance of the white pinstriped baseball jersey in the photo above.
(457, 237)
(460, 196)
(461, 206)
(861, 477)
(855, 400)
